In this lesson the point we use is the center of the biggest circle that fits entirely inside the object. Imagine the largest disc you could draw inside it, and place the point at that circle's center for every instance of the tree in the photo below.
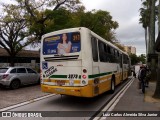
(134, 59)
(12, 31)
(148, 15)
(26, 21)
(151, 49)
(119, 46)
(152, 25)
(142, 58)
(144, 20)
(100, 22)
(40, 18)
(157, 90)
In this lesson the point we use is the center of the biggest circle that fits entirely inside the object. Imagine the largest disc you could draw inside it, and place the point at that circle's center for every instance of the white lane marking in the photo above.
(27, 102)
(110, 106)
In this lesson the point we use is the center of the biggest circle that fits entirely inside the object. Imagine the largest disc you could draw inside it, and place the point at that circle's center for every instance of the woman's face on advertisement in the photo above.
(64, 37)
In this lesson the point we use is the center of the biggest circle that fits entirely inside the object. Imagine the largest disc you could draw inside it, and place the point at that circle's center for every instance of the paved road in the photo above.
(10, 97)
(67, 103)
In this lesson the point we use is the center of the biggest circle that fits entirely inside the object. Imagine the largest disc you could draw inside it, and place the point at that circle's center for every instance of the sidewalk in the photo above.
(135, 100)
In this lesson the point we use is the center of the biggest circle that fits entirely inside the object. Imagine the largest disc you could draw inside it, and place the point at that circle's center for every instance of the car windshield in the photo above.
(3, 70)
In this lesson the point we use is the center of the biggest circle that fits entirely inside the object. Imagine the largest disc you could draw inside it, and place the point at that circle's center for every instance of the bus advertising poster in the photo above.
(62, 43)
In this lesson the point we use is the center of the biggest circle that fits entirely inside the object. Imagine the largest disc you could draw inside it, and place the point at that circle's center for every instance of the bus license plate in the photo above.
(60, 82)
(59, 90)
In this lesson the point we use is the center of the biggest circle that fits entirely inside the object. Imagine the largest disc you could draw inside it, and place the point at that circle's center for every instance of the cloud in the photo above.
(126, 13)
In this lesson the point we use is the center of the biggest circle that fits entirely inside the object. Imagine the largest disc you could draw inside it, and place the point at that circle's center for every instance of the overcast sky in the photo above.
(126, 13)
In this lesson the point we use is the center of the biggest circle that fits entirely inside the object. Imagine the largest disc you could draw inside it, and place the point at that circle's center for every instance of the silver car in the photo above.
(14, 77)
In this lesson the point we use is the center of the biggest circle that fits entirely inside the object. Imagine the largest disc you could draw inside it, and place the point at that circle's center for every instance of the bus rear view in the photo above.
(78, 62)
(61, 64)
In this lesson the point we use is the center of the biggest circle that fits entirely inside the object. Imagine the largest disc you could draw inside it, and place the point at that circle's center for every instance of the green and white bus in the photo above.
(78, 62)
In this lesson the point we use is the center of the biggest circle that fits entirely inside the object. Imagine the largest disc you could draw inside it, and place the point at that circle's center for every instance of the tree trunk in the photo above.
(149, 29)
(159, 17)
(152, 40)
(152, 31)
(146, 39)
(157, 91)
(12, 61)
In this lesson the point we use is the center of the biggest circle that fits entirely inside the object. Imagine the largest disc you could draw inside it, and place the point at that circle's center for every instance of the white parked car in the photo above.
(14, 77)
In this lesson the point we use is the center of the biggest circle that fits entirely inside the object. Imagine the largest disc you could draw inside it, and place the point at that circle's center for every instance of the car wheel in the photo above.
(15, 84)
(39, 81)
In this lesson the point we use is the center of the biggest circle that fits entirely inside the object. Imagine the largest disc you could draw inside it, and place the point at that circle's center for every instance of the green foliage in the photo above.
(142, 58)
(40, 20)
(144, 19)
(62, 19)
(100, 22)
(120, 47)
(136, 59)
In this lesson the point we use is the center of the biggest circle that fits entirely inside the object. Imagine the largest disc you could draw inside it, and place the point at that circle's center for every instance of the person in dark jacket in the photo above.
(148, 76)
(142, 76)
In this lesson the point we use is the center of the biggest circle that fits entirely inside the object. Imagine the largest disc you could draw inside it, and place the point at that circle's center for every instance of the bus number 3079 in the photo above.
(72, 76)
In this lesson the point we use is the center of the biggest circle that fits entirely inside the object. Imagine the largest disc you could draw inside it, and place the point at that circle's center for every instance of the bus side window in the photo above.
(112, 55)
(124, 59)
(116, 56)
(102, 51)
(109, 56)
(121, 60)
(94, 49)
(109, 49)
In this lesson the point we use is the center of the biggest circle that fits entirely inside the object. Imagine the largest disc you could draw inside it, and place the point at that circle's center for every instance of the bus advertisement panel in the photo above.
(62, 43)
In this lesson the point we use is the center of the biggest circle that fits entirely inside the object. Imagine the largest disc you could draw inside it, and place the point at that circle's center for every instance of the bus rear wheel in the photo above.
(112, 86)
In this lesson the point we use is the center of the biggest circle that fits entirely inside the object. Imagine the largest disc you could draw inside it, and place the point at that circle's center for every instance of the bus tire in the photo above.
(112, 86)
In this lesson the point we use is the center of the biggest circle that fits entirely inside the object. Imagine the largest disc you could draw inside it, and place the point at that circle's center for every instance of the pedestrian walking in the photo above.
(133, 71)
(148, 76)
(141, 77)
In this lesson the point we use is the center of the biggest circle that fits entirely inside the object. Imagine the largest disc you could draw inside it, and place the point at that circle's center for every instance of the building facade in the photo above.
(130, 49)
(25, 58)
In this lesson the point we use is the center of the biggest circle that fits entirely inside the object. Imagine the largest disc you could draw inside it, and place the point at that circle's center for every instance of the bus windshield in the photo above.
(62, 43)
